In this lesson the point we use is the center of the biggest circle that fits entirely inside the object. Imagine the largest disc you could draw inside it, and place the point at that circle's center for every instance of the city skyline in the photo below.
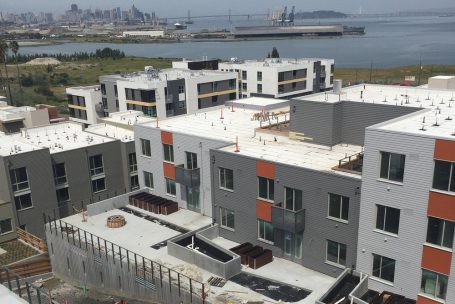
(174, 8)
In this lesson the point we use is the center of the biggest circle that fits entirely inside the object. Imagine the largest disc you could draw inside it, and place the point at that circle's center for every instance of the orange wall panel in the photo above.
(169, 170)
(436, 260)
(167, 138)
(442, 205)
(444, 150)
(264, 210)
(423, 300)
(265, 169)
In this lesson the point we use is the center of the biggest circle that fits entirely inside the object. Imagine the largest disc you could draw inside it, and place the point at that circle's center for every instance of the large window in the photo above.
(148, 179)
(227, 218)
(191, 160)
(226, 179)
(338, 207)
(387, 219)
(171, 188)
(259, 76)
(59, 174)
(336, 253)
(265, 231)
(192, 198)
(132, 162)
(244, 86)
(232, 83)
(96, 165)
(63, 195)
(266, 188)
(145, 147)
(19, 179)
(168, 153)
(259, 88)
(134, 182)
(434, 284)
(298, 246)
(6, 226)
(444, 176)
(287, 248)
(244, 75)
(293, 199)
(440, 232)
(383, 268)
(392, 166)
(98, 185)
(23, 201)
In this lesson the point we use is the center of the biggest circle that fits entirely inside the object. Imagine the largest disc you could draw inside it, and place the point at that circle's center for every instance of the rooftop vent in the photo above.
(116, 221)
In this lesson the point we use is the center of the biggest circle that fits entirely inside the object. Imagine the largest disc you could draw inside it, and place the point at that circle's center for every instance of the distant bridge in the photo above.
(218, 16)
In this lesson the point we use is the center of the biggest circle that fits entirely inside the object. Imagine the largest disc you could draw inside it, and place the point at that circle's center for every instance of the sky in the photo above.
(172, 8)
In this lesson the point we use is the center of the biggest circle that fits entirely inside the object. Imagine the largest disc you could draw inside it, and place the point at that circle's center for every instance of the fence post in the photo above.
(170, 280)
(79, 237)
(178, 281)
(18, 285)
(9, 280)
(191, 291)
(27, 287)
(105, 249)
(161, 276)
(113, 253)
(38, 295)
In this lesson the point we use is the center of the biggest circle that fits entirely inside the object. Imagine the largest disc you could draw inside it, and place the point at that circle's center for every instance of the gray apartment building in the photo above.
(59, 165)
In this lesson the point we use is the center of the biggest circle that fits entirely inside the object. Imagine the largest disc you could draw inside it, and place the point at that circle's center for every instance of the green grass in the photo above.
(15, 251)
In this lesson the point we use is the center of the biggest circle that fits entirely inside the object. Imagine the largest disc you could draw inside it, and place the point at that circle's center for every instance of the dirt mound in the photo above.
(44, 61)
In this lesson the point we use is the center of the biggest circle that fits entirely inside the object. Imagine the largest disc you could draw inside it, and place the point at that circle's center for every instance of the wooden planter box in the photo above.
(260, 259)
(253, 251)
(241, 248)
(169, 208)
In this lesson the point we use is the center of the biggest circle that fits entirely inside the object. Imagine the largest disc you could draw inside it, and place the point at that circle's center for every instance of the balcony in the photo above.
(288, 220)
(188, 177)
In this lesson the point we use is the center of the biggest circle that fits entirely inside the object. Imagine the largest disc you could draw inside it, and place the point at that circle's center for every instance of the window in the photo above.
(266, 188)
(6, 226)
(332, 68)
(104, 102)
(115, 91)
(227, 218)
(23, 201)
(265, 231)
(434, 284)
(134, 182)
(98, 185)
(244, 86)
(148, 179)
(244, 75)
(215, 86)
(145, 147)
(169, 107)
(259, 88)
(383, 268)
(170, 187)
(294, 85)
(192, 198)
(168, 153)
(336, 253)
(232, 83)
(388, 219)
(440, 232)
(226, 179)
(181, 89)
(199, 104)
(294, 74)
(96, 164)
(191, 160)
(293, 199)
(59, 174)
(280, 89)
(280, 76)
(444, 176)
(338, 207)
(259, 76)
(63, 195)
(103, 89)
(116, 103)
(150, 111)
(392, 166)
(132, 162)
(214, 99)
(298, 246)
(19, 179)
(287, 243)
(181, 104)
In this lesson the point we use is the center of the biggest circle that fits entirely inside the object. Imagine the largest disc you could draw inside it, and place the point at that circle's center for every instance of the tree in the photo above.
(268, 55)
(275, 53)
(14, 46)
(3, 56)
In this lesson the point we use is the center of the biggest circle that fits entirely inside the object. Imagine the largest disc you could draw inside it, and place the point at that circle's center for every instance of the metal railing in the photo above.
(352, 162)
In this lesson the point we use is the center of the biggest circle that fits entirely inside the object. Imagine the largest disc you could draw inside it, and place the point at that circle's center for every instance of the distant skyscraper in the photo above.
(74, 7)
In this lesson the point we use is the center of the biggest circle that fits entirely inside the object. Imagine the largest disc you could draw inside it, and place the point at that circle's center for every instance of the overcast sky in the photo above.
(169, 8)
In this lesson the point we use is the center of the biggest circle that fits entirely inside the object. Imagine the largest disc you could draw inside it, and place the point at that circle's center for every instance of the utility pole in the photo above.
(371, 71)
(420, 70)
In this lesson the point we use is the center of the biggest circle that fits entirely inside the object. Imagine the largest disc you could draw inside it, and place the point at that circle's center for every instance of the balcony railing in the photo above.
(288, 220)
(188, 177)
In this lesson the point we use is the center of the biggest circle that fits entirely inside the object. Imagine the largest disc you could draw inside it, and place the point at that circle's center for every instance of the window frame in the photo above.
(169, 156)
(259, 76)
(132, 162)
(224, 223)
(146, 149)
(450, 180)
(341, 203)
(220, 179)
(10, 224)
(62, 201)
(270, 189)
(150, 178)
(384, 221)
(389, 163)
(14, 180)
(21, 195)
(436, 284)
(262, 225)
(195, 192)
(191, 160)
(96, 171)
(339, 246)
(381, 268)
(293, 190)
(170, 185)
(135, 186)
(443, 237)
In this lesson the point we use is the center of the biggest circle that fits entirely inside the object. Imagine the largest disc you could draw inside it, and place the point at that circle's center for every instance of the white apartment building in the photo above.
(281, 77)
(84, 104)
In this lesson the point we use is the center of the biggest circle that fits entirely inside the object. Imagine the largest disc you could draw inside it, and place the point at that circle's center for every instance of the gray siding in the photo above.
(315, 187)
(173, 96)
(343, 122)
(110, 93)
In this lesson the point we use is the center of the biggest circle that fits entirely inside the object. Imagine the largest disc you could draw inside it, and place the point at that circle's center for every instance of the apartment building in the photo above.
(196, 64)
(168, 92)
(281, 77)
(85, 104)
(12, 119)
(52, 167)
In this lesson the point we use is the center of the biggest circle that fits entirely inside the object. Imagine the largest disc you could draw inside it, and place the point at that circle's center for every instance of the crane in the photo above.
(283, 15)
(291, 16)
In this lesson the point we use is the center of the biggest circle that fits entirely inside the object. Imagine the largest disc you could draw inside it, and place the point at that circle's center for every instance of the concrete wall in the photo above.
(343, 122)
(411, 198)
(315, 186)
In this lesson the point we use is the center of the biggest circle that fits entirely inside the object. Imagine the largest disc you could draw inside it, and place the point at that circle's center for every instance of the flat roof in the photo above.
(56, 137)
(267, 144)
(274, 62)
(157, 75)
(111, 131)
(127, 118)
(442, 77)
(259, 101)
(436, 119)
(91, 88)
